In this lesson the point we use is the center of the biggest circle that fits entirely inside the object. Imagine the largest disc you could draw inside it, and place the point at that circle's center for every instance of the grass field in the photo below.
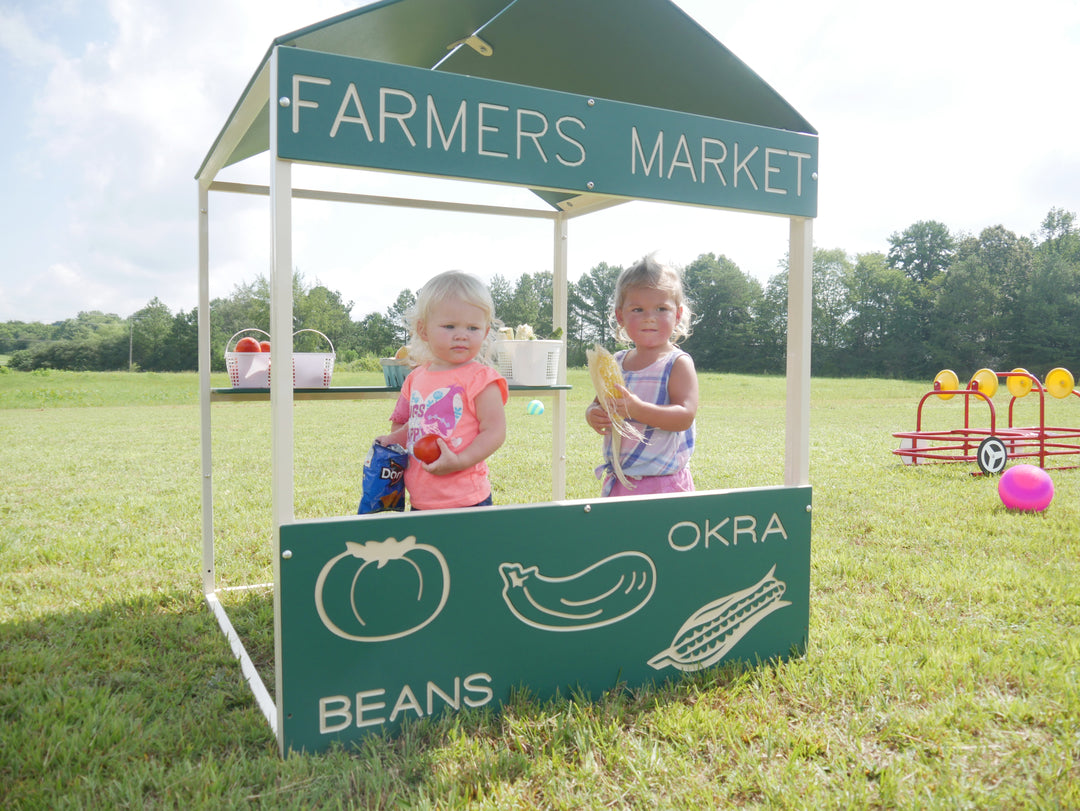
(943, 666)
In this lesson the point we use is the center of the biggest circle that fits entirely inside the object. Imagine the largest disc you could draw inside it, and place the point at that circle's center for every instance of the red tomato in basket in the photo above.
(427, 449)
(264, 346)
(247, 344)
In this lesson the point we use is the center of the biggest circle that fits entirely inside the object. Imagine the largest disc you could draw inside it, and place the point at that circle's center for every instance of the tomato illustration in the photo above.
(427, 449)
(403, 591)
(248, 344)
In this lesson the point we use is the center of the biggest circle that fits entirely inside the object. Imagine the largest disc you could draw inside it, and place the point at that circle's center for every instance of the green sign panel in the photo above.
(404, 616)
(356, 112)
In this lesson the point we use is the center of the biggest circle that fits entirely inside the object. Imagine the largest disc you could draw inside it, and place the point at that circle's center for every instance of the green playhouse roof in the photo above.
(648, 52)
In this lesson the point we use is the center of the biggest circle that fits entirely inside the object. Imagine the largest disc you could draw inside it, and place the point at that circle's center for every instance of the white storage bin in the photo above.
(528, 363)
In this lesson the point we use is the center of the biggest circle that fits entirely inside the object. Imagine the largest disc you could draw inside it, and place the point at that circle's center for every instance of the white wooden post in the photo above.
(558, 319)
(281, 378)
(281, 319)
(800, 316)
(281, 347)
(208, 574)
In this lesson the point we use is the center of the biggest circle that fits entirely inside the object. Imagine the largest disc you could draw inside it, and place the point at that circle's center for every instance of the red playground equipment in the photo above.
(991, 446)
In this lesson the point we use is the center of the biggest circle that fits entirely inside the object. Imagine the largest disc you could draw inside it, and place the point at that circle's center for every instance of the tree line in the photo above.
(934, 299)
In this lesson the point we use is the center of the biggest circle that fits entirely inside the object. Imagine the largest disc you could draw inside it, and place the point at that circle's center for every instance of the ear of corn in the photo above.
(711, 631)
(605, 372)
(606, 378)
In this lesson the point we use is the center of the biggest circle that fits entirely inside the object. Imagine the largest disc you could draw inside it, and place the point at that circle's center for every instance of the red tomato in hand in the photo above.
(427, 449)
(264, 346)
(247, 344)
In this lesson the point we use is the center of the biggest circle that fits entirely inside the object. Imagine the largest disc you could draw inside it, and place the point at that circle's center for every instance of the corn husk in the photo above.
(606, 378)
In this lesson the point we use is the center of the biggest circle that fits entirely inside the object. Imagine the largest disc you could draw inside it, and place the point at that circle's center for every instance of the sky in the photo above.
(951, 110)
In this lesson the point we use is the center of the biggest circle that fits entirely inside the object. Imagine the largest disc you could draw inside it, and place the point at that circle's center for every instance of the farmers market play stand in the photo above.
(397, 617)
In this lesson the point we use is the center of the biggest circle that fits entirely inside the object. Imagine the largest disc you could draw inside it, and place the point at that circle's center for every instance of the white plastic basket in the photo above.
(313, 370)
(528, 363)
(247, 370)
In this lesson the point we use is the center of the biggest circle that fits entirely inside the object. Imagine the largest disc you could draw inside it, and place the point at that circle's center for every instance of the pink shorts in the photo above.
(681, 482)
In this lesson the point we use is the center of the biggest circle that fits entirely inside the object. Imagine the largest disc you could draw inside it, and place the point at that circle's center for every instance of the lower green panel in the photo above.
(406, 615)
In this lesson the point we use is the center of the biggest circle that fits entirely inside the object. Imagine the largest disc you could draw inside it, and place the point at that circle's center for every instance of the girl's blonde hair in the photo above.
(452, 284)
(648, 272)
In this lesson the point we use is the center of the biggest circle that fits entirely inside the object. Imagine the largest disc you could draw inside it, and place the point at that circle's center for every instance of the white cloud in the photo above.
(958, 111)
(115, 129)
(922, 106)
(21, 44)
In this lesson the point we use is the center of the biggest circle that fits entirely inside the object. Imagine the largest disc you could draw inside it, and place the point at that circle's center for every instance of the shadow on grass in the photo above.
(141, 703)
(544, 746)
(85, 695)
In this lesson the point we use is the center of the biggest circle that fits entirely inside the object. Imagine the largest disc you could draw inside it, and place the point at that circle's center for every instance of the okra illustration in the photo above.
(607, 591)
(711, 631)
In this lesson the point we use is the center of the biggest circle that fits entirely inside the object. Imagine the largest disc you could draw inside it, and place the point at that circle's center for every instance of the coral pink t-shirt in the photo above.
(444, 403)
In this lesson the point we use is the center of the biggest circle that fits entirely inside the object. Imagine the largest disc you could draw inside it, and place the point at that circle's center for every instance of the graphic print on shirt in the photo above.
(439, 413)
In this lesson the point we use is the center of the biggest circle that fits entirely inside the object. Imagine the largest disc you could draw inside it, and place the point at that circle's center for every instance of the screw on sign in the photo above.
(992, 455)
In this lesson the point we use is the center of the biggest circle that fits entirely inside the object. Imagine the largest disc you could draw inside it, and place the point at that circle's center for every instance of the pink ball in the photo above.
(1026, 487)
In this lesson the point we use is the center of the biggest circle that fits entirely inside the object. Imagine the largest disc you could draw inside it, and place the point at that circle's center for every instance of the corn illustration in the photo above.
(606, 378)
(711, 631)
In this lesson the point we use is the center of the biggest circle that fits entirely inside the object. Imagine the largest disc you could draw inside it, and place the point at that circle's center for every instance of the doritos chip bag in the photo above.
(384, 479)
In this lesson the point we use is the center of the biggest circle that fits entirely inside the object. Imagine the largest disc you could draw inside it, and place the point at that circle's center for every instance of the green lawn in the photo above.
(943, 666)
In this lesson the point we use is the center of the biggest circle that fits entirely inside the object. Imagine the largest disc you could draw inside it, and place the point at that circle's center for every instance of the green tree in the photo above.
(1009, 260)
(181, 353)
(770, 326)
(589, 303)
(92, 341)
(543, 285)
(978, 317)
(831, 312)
(88, 323)
(966, 297)
(1046, 333)
(397, 316)
(882, 334)
(722, 299)
(529, 303)
(922, 250)
(377, 336)
(18, 335)
(103, 348)
(322, 309)
(1059, 234)
(247, 307)
(932, 301)
(149, 332)
(502, 295)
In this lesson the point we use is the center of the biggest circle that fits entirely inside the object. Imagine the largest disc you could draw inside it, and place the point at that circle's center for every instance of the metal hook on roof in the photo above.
(474, 42)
